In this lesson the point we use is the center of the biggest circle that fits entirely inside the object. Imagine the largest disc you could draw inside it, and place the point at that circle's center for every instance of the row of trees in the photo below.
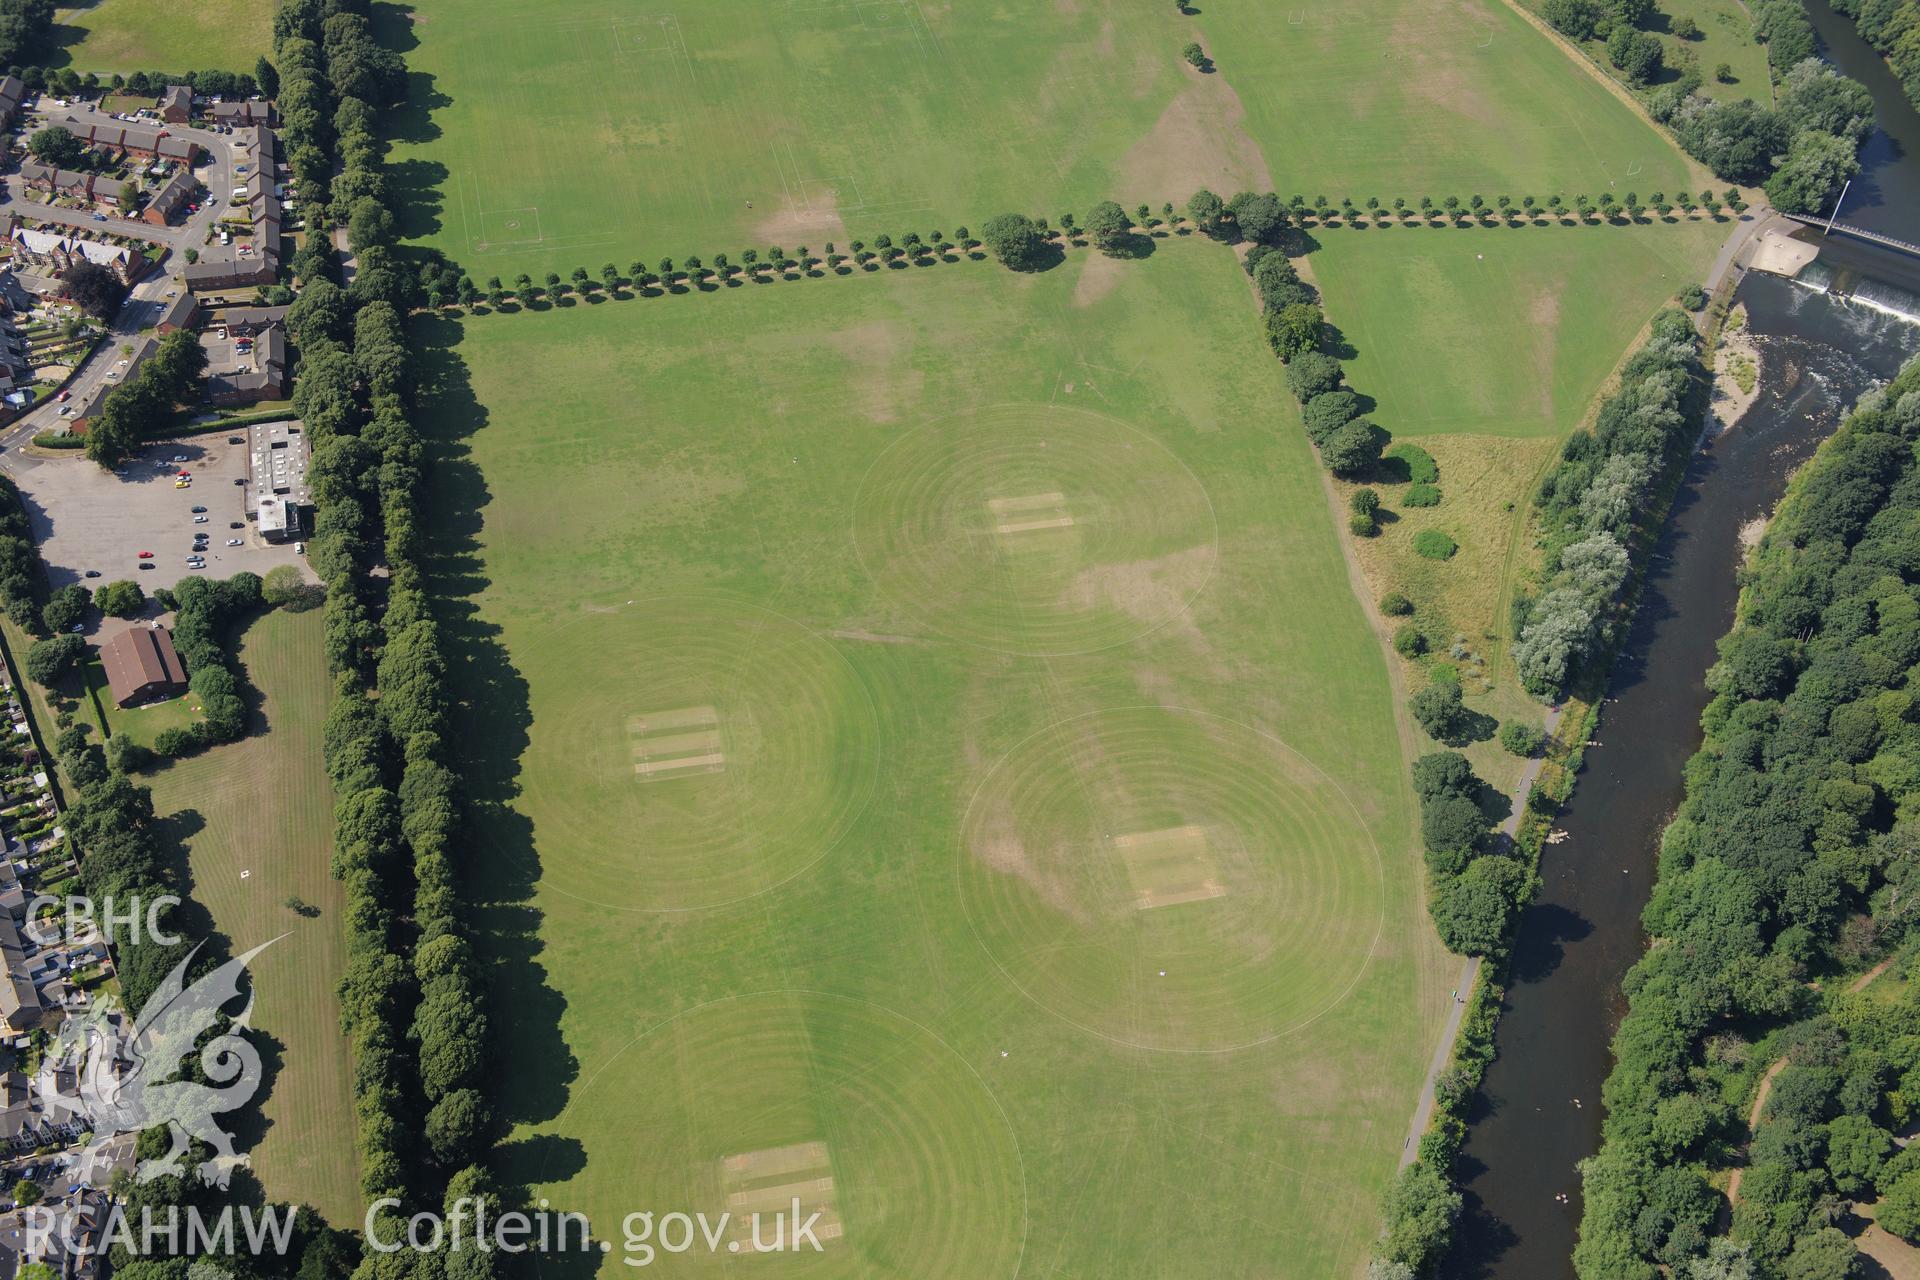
(1478, 209)
(146, 405)
(1589, 504)
(411, 999)
(1793, 863)
(1892, 27)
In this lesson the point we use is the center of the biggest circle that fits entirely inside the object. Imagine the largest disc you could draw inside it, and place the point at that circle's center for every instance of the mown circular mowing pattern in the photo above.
(866, 1117)
(691, 751)
(1170, 879)
(1034, 529)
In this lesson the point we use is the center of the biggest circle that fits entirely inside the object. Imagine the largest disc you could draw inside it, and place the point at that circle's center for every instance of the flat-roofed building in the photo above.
(277, 495)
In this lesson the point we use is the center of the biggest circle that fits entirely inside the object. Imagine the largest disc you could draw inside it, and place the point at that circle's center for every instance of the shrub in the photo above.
(1364, 501)
(176, 741)
(1421, 495)
(1693, 297)
(1395, 605)
(1434, 545)
(1421, 468)
(1408, 641)
(1361, 524)
(1521, 739)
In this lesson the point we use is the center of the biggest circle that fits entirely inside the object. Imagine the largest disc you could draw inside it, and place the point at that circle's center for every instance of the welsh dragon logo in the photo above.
(116, 1079)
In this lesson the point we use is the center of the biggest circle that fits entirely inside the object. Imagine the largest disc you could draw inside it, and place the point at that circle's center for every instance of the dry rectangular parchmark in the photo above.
(1170, 867)
(676, 743)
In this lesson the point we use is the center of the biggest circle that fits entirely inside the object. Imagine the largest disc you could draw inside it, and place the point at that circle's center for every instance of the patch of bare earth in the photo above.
(878, 384)
(1099, 276)
(794, 226)
(1198, 141)
(1898, 1259)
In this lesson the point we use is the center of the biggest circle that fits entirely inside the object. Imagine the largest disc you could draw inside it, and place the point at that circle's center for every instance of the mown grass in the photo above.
(165, 35)
(256, 820)
(634, 492)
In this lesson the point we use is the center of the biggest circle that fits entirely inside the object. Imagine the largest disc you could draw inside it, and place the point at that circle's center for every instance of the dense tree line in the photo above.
(1793, 863)
(26, 31)
(412, 1000)
(23, 575)
(1589, 504)
(1892, 27)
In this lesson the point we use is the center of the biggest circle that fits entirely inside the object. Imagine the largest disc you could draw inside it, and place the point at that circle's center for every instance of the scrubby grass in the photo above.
(1726, 35)
(165, 35)
(820, 532)
(262, 806)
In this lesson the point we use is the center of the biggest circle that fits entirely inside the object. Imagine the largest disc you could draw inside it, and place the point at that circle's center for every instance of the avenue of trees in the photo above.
(1793, 864)
(1590, 502)
(411, 1000)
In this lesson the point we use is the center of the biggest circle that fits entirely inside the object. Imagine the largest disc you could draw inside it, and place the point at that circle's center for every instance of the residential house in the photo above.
(267, 380)
(137, 141)
(239, 113)
(176, 104)
(61, 182)
(13, 94)
(20, 1009)
(171, 199)
(246, 321)
(54, 253)
(180, 313)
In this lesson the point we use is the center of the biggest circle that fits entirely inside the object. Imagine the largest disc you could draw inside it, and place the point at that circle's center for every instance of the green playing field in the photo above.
(932, 763)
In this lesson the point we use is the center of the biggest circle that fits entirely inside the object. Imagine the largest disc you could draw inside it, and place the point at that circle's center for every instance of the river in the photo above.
(1538, 1112)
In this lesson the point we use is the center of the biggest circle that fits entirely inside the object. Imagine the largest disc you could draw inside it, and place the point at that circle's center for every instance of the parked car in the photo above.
(92, 573)
(236, 439)
(64, 396)
(179, 457)
(146, 555)
(199, 510)
(146, 564)
(235, 542)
